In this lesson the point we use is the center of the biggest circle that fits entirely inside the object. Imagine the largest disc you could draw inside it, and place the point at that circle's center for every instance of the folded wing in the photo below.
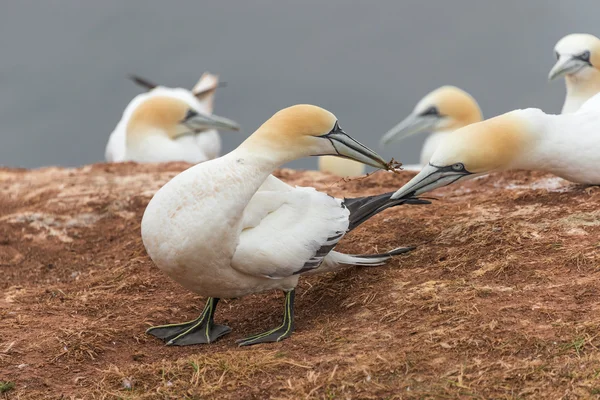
(286, 230)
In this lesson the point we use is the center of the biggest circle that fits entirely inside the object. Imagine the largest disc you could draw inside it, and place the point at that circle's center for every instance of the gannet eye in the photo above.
(431, 111)
(190, 114)
(458, 167)
(585, 56)
(557, 55)
(336, 127)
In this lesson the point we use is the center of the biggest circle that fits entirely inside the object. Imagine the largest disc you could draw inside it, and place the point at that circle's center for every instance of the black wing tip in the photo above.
(143, 82)
(401, 250)
(391, 253)
(209, 90)
(416, 200)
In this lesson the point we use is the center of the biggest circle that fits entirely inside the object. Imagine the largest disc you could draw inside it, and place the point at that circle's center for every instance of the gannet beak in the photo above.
(196, 121)
(411, 125)
(347, 147)
(431, 177)
(566, 65)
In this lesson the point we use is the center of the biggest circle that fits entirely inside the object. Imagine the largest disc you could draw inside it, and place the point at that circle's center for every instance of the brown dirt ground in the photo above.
(500, 300)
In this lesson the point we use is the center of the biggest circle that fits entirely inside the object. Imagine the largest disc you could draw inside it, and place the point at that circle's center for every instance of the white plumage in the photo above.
(228, 228)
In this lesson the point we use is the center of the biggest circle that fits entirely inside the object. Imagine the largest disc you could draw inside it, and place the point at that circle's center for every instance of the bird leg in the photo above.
(200, 330)
(284, 331)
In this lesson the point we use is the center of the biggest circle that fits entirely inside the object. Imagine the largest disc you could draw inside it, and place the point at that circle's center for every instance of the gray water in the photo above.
(63, 64)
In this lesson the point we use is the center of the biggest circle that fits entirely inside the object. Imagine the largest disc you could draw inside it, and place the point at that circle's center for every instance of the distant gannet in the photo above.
(578, 58)
(228, 228)
(566, 145)
(441, 111)
(341, 166)
(195, 141)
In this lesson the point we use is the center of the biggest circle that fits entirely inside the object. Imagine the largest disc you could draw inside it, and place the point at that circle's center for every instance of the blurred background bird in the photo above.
(342, 167)
(578, 61)
(150, 129)
(440, 112)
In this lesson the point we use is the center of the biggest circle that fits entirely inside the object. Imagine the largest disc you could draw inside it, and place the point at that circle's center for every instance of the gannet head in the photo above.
(577, 55)
(446, 108)
(471, 151)
(305, 130)
(172, 116)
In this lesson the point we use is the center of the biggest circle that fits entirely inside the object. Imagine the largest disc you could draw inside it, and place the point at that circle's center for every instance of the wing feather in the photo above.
(288, 231)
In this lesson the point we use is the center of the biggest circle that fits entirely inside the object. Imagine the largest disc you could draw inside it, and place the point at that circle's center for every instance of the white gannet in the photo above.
(341, 166)
(198, 143)
(228, 228)
(566, 145)
(441, 111)
(578, 60)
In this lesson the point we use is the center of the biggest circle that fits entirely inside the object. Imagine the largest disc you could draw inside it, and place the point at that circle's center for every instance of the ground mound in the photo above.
(500, 300)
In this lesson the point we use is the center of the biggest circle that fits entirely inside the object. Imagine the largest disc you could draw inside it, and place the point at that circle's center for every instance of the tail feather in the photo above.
(363, 208)
(368, 259)
(336, 260)
(204, 89)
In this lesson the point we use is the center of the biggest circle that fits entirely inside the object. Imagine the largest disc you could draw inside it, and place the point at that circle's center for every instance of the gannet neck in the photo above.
(580, 87)
(495, 144)
(261, 161)
(566, 146)
(536, 136)
(559, 144)
(431, 144)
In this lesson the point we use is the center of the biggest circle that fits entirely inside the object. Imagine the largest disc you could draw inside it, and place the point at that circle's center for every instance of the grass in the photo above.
(6, 386)
(577, 345)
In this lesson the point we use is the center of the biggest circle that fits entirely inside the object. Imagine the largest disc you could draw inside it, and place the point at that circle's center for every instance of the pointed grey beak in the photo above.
(431, 177)
(197, 122)
(566, 65)
(346, 147)
(411, 125)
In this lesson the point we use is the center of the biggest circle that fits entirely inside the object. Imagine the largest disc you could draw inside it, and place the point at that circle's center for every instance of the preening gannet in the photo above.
(441, 111)
(578, 60)
(228, 228)
(193, 141)
(566, 145)
(341, 166)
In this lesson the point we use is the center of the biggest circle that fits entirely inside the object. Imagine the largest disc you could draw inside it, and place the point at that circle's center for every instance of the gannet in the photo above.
(195, 141)
(341, 166)
(228, 228)
(441, 111)
(578, 60)
(566, 145)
